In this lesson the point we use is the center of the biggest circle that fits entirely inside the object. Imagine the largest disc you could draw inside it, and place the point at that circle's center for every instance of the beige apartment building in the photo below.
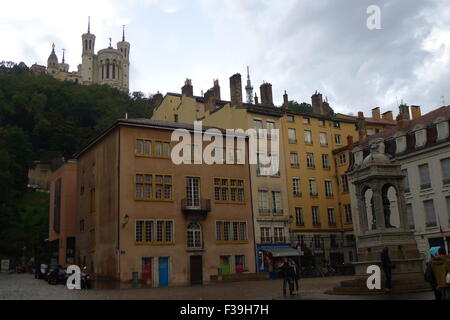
(142, 217)
(269, 191)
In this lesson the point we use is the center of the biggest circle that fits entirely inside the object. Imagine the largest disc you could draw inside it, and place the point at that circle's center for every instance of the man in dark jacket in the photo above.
(287, 273)
(387, 266)
(429, 274)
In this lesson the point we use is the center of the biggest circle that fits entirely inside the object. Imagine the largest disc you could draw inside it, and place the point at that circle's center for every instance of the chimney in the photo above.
(256, 99)
(388, 115)
(157, 99)
(376, 113)
(210, 100)
(216, 89)
(317, 103)
(187, 90)
(361, 126)
(285, 100)
(266, 94)
(403, 116)
(415, 112)
(236, 90)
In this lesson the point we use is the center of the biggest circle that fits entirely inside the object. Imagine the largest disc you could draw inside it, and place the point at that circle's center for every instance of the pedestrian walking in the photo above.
(441, 270)
(429, 275)
(296, 275)
(387, 266)
(287, 273)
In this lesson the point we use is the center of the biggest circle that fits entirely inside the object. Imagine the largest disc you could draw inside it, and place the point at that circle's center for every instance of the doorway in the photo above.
(196, 263)
(163, 272)
(146, 273)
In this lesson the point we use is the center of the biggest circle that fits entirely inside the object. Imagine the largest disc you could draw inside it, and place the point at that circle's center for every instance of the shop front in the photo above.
(271, 257)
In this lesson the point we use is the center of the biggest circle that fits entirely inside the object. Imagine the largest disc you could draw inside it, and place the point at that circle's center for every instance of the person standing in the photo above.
(441, 266)
(429, 275)
(387, 266)
(296, 275)
(287, 274)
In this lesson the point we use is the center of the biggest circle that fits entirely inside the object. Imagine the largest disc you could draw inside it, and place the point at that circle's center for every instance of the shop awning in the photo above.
(283, 252)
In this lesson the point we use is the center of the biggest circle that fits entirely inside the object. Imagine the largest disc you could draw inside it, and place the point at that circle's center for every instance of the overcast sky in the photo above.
(297, 45)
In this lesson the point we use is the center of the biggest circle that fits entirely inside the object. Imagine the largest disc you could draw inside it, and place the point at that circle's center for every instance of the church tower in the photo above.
(52, 62)
(249, 88)
(124, 48)
(87, 68)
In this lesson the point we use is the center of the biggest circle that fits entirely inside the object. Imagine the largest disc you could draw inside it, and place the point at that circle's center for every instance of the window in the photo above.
(315, 216)
(442, 130)
(292, 135)
(325, 161)
(342, 159)
(193, 192)
(369, 131)
(337, 124)
(278, 235)
(229, 190)
(344, 179)
(276, 198)
(323, 139)
(313, 187)
(296, 189)
(232, 231)
(445, 166)
(92, 207)
(162, 149)
(270, 130)
(263, 201)
(400, 143)
(299, 216)
(308, 137)
(331, 218)
(337, 138)
(143, 147)
(406, 180)
(194, 235)
(290, 118)
(265, 235)
(424, 174)
(317, 239)
(154, 232)
(153, 187)
(348, 213)
(448, 208)
(328, 188)
(421, 137)
(321, 123)
(410, 216)
(306, 121)
(294, 159)
(257, 124)
(310, 160)
(430, 215)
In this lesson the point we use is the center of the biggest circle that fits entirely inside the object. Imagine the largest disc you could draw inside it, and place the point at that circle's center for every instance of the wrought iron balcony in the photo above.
(199, 206)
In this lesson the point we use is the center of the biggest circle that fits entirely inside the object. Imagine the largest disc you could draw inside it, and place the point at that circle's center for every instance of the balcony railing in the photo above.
(277, 211)
(266, 239)
(202, 206)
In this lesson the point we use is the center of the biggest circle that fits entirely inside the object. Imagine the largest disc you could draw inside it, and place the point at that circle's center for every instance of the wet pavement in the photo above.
(25, 286)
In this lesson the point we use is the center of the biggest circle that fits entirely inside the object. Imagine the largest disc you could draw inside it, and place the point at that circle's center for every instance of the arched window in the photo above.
(125, 52)
(85, 44)
(194, 235)
(90, 44)
(107, 70)
(103, 71)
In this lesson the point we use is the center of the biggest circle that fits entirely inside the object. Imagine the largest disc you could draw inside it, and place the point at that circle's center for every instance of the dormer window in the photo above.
(442, 130)
(400, 143)
(421, 137)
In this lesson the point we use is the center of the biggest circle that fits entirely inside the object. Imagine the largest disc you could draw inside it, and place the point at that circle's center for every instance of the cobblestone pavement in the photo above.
(25, 286)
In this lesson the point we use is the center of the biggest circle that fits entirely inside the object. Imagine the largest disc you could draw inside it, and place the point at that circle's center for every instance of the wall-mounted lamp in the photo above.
(125, 220)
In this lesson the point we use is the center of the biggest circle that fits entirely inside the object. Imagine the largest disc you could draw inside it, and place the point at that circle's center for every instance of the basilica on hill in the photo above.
(108, 66)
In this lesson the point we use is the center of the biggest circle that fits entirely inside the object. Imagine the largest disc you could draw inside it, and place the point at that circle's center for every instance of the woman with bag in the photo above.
(441, 269)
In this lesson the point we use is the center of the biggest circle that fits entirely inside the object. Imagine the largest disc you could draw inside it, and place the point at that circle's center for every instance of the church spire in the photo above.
(63, 60)
(123, 33)
(89, 24)
(249, 88)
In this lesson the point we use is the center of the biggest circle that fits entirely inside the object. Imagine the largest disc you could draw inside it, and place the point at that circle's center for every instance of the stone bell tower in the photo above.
(377, 185)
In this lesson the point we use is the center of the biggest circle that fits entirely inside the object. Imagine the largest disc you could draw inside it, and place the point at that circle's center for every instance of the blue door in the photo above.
(163, 272)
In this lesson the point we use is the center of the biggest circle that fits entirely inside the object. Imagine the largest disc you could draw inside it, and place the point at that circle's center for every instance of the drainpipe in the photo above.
(251, 205)
(118, 205)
